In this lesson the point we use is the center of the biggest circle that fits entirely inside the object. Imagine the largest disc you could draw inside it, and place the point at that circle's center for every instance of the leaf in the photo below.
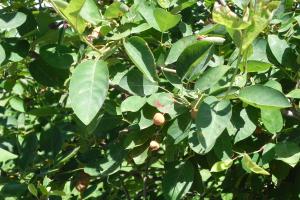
(165, 20)
(263, 97)
(294, 94)
(272, 120)
(221, 165)
(212, 119)
(164, 102)
(263, 13)
(137, 84)
(115, 10)
(28, 150)
(288, 152)
(141, 55)
(17, 103)
(88, 89)
(47, 75)
(241, 125)
(178, 180)
(182, 4)
(164, 3)
(72, 13)
(6, 155)
(210, 77)
(11, 20)
(158, 18)
(32, 189)
(180, 127)
(178, 47)
(2, 55)
(191, 57)
(132, 104)
(223, 15)
(57, 56)
(277, 47)
(257, 66)
(90, 12)
(252, 166)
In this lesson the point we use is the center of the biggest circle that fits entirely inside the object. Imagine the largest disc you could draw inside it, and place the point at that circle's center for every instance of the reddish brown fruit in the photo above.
(159, 119)
(154, 146)
(194, 112)
(83, 182)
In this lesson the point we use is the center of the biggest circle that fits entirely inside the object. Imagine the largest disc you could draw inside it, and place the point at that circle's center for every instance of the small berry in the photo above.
(159, 119)
(82, 182)
(154, 146)
(194, 112)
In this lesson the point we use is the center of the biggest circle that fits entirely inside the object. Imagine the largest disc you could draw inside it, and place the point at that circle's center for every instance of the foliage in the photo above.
(149, 99)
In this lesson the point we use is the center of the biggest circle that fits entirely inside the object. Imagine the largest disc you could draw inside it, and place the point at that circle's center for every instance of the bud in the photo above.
(159, 119)
(154, 146)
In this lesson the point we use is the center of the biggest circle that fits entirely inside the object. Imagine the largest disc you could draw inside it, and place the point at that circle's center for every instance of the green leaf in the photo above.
(32, 189)
(288, 152)
(241, 125)
(47, 75)
(257, 66)
(164, 3)
(137, 84)
(191, 57)
(263, 13)
(72, 13)
(132, 104)
(178, 180)
(88, 88)
(28, 150)
(90, 12)
(221, 165)
(294, 94)
(252, 166)
(115, 10)
(210, 77)
(158, 18)
(6, 155)
(180, 127)
(183, 4)
(263, 97)
(17, 103)
(57, 56)
(141, 55)
(165, 20)
(272, 120)
(223, 15)
(212, 119)
(178, 47)
(274, 84)
(277, 47)
(2, 55)
(11, 20)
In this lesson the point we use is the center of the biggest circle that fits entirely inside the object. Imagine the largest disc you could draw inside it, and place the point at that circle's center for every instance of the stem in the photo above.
(101, 51)
(168, 70)
(235, 72)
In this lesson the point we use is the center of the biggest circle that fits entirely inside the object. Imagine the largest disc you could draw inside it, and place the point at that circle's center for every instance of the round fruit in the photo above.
(154, 146)
(82, 182)
(194, 112)
(159, 119)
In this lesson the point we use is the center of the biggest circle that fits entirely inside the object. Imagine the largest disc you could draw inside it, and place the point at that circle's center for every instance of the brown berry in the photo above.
(154, 146)
(159, 119)
(194, 112)
(82, 182)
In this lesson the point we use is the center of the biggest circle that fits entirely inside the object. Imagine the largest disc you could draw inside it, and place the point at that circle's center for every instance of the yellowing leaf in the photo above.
(252, 166)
